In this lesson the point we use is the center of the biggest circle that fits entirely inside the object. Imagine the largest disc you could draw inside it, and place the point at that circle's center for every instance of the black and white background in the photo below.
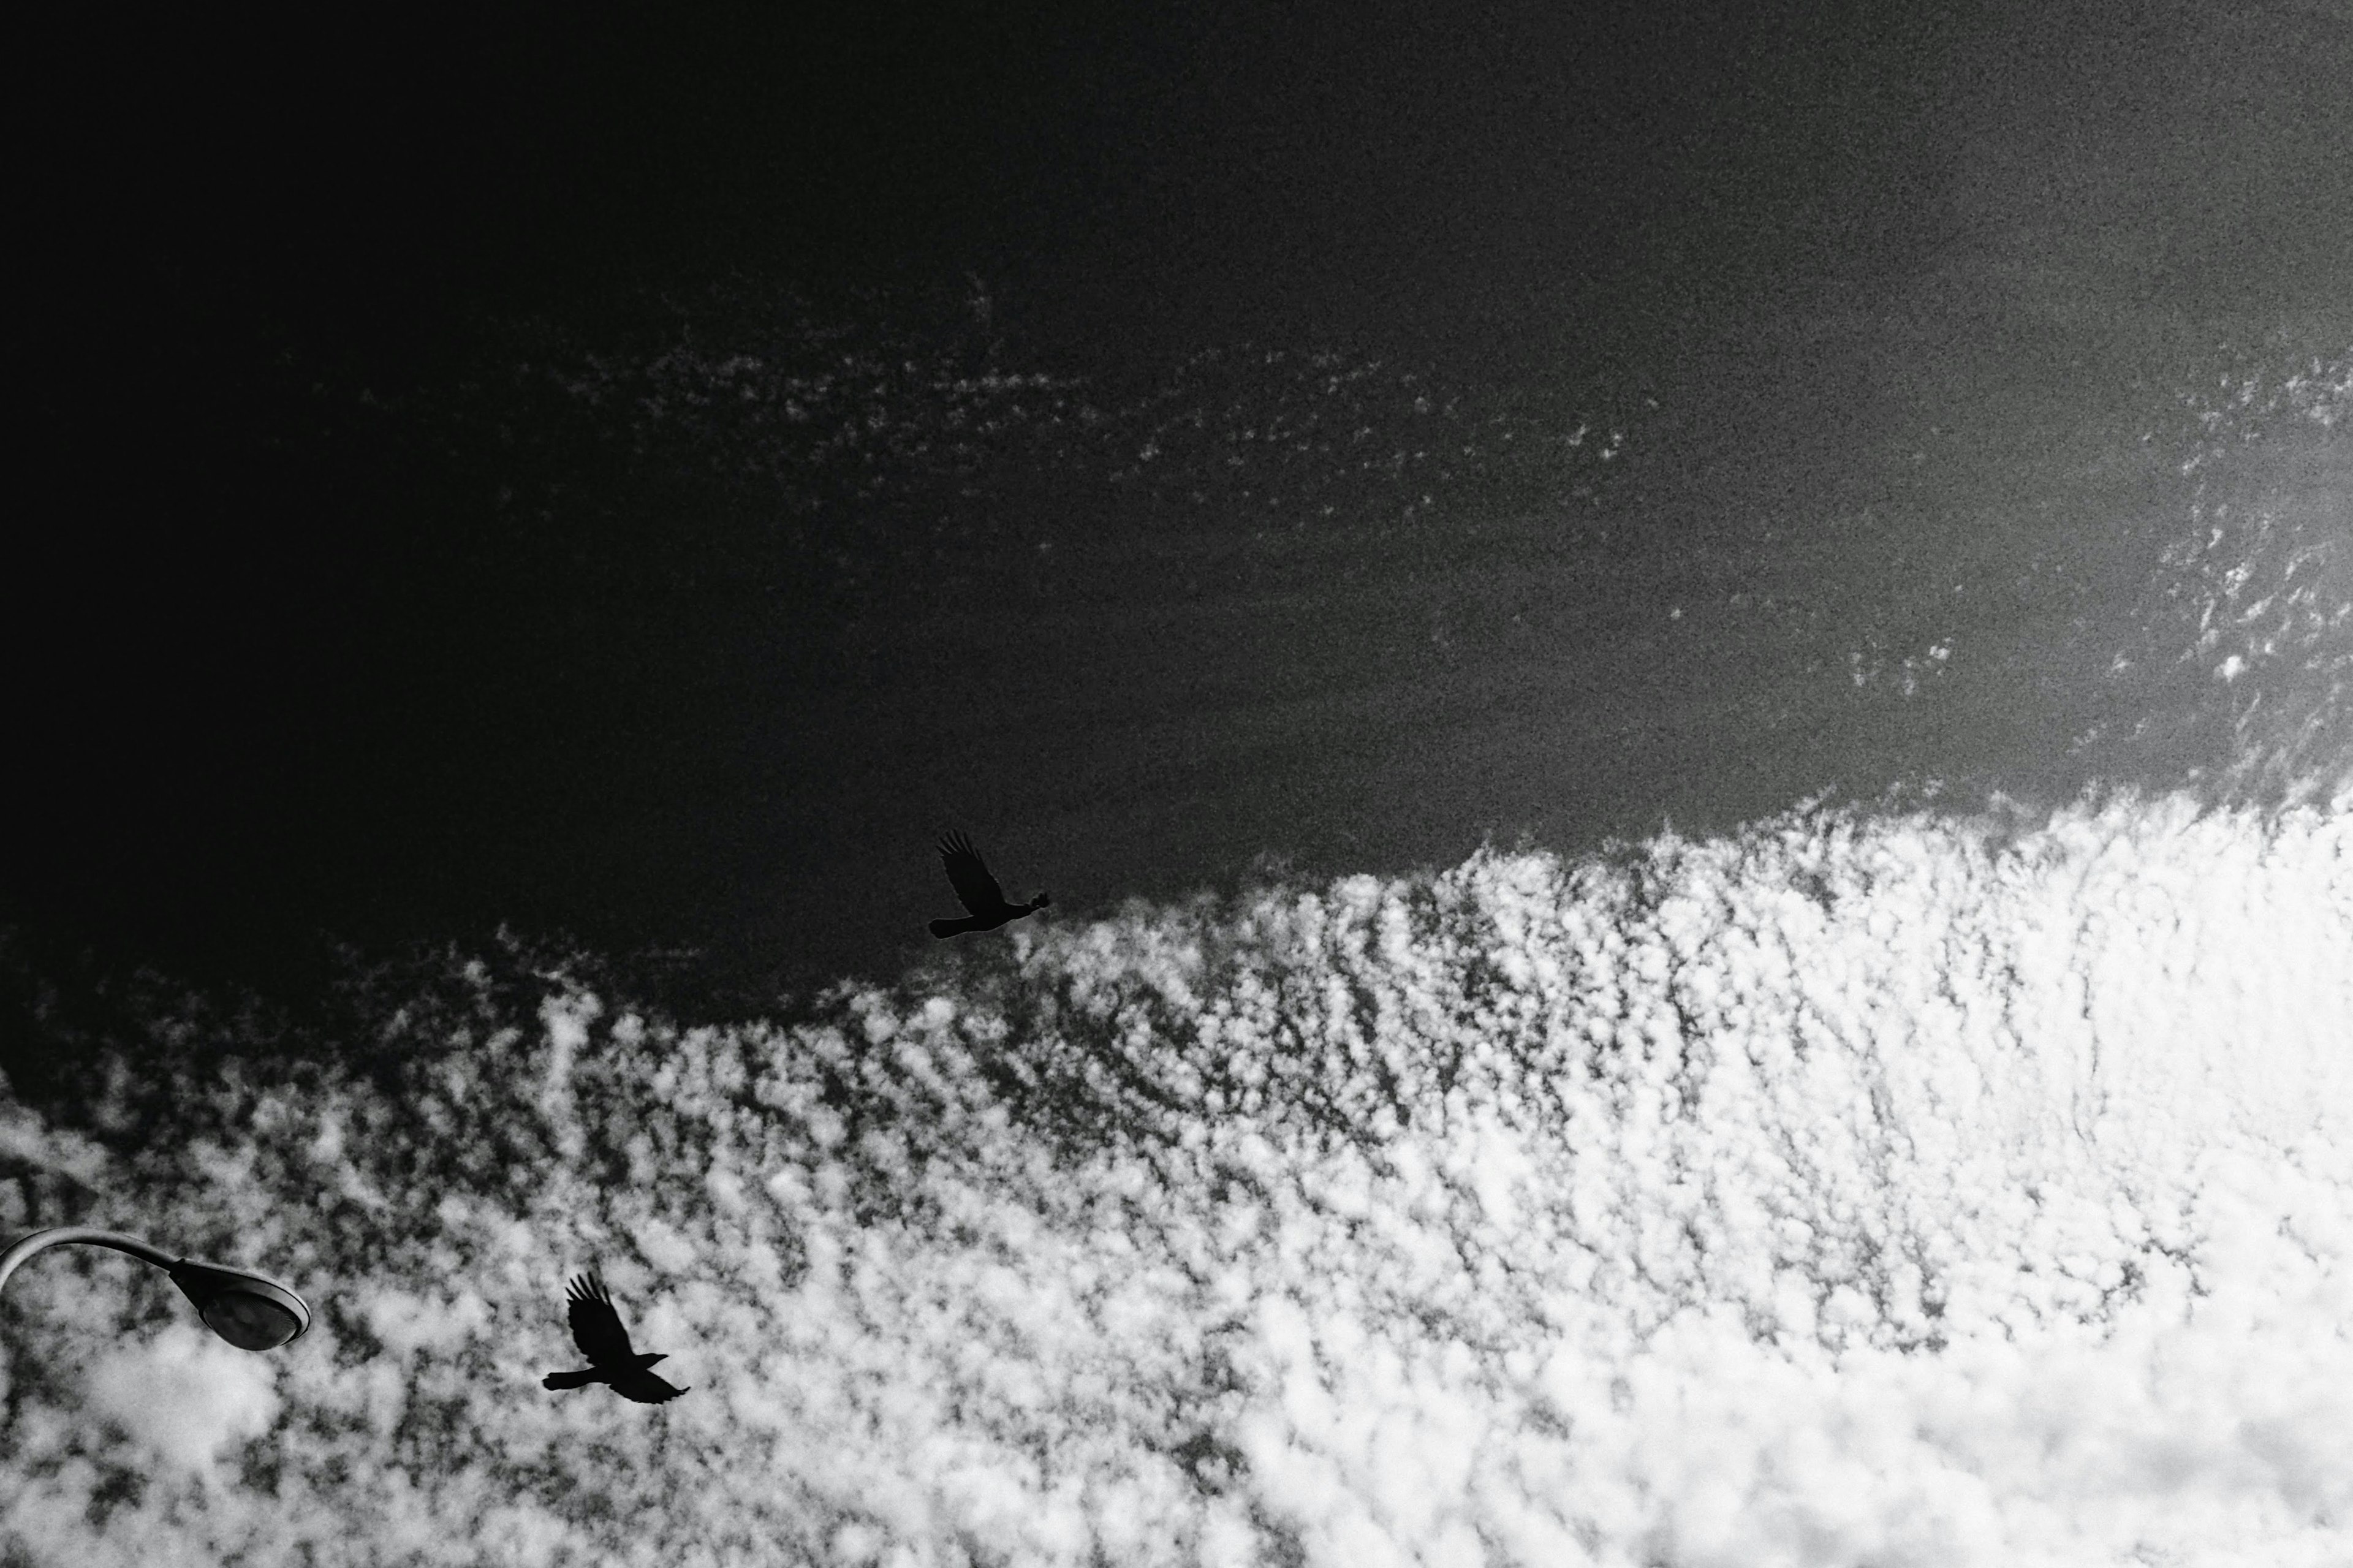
(1681, 672)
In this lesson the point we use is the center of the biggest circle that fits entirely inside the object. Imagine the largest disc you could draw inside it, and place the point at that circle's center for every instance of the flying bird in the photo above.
(976, 891)
(596, 1330)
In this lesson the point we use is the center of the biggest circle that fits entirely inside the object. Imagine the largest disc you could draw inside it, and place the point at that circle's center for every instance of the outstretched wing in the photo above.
(596, 1327)
(645, 1388)
(976, 889)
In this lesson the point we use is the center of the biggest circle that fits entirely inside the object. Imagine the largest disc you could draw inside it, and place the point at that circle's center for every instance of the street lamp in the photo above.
(252, 1312)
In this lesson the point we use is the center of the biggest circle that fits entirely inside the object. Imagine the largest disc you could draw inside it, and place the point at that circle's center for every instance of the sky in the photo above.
(257, 239)
(1488, 160)
(1681, 673)
(278, 261)
(1860, 1188)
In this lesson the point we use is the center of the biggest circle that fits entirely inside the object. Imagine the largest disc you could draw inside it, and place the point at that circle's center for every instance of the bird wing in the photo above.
(976, 889)
(645, 1388)
(596, 1327)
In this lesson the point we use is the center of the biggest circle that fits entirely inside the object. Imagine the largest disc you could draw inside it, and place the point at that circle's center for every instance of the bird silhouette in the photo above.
(596, 1330)
(976, 891)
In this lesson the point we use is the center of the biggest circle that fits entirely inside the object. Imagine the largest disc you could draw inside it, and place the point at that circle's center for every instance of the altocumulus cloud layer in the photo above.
(1862, 1189)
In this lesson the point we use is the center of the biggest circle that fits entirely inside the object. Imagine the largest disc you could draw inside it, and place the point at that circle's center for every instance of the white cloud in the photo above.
(185, 1396)
(1856, 1190)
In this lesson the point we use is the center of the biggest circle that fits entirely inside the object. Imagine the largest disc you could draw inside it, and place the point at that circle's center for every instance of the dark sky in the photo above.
(1346, 161)
(211, 195)
(1472, 170)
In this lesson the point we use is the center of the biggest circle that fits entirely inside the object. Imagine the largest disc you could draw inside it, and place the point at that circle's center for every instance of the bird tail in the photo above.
(568, 1379)
(954, 928)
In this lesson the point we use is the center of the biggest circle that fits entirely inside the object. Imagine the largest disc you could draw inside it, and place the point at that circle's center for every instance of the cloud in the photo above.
(185, 1396)
(1890, 1189)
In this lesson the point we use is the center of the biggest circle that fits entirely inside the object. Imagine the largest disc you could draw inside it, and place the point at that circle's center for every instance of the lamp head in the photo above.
(249, 1311)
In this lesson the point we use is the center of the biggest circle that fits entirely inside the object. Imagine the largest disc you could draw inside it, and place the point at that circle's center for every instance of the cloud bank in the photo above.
(1859, 1189)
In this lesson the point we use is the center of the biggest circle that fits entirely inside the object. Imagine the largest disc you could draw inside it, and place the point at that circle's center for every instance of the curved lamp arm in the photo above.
(252, 1312)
